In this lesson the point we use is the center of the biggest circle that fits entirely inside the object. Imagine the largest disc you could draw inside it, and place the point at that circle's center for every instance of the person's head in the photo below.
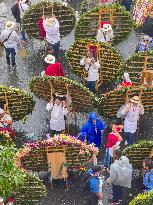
(117, 153)
(58, 100)
(96, 169)
(151, 14)
(146, 39)
(93, 60)
(50, 50)
(126, 77)
(2, 113)
(93, 117)
(50, 59)
(10, 25)
(89, 54)
(147, 164)
(107, 28)
(135, 100)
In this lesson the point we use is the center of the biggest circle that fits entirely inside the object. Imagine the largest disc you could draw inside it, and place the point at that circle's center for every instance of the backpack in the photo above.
(148, 180)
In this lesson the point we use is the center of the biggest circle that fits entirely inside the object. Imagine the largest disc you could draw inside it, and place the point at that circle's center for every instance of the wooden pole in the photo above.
(52, 7)
(68, 108)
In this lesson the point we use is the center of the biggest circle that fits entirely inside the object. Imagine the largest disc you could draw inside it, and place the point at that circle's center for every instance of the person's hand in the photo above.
(64, 103)
(100, 198)
(43, 17)
(51, 100)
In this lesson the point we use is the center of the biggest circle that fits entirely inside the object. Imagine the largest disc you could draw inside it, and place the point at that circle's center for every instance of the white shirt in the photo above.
(93, 74)
(23, 8)
(52, 32)
(13, 39)
(131, 119)
(5, 119)
(104, 36)
(57, 121)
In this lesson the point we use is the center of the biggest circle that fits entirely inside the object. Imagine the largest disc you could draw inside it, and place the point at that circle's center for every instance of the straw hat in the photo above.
(146, 38)
(49, 21)
(9, 25)
(135, 99)
(49, 59)
(106, 27)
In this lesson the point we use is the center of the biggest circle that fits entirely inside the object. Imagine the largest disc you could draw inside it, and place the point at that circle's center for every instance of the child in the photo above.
(113, 142)
(148, 176)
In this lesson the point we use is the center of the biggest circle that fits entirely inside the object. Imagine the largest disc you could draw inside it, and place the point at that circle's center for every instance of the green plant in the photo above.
(65, 15)
(88, 23)
(10, 176)
(31, 191)
(143, 199)
(20, 103)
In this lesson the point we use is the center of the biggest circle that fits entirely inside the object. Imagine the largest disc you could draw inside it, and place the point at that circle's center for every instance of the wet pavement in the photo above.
(38, 122)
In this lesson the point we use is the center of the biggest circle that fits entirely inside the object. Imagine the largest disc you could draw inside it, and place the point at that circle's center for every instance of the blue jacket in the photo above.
(94, 184)
(92, 133)
(148, 180)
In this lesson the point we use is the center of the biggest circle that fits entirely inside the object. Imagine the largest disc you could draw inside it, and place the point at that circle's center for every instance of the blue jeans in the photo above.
(91, 85)
(130, 137)
(117, 193)
(107, 159)
(10, 51)
(55, 47)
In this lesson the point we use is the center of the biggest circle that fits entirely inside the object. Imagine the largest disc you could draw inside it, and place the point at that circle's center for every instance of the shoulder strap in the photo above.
(7, 38)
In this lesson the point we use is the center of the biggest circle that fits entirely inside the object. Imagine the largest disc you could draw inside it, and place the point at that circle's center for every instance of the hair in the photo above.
(96, 168)
(118, 153)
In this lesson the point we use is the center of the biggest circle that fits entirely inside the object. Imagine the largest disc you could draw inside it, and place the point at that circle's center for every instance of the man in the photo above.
(9, 38)
(120, 176)
(58, 108)
(144, 45)
(51, 26)
(132, 112)
(148, 25)
(92, 130)
(92, 67)
(91, 185)
(54, 68)
(5, 119)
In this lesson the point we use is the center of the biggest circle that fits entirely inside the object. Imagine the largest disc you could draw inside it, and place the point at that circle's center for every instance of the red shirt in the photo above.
(55, 69)
(126, 84)
(41, 28)
(112, 139)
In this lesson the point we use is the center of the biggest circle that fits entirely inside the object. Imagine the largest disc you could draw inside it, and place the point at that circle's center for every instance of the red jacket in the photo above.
(55, 69)
(41, 28)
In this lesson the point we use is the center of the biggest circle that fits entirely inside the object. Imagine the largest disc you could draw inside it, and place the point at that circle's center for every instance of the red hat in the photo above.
(112, 139)
(104, 22)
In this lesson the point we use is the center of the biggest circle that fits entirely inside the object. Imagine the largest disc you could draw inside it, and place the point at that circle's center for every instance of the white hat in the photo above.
(135, 99)
(9, 25)
(1, 200)
(106, 27)
(126, 76)
(22, 1)
(49, 59)
(49, 21)
(1, 111)
(146, 38)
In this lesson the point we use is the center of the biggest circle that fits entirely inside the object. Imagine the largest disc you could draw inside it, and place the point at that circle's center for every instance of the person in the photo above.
(1, 201)
(9, 38)
(127, 4)
(51, 27)
(105, 34)
(148, 25)
(93, 180)
(41, 28)
(54, 68)
(132, 112)
(92, 130)
(5, 119)
(143, 45)
(113, 142)
(126, 81)
(58, 108)
(92, 67)
(120, 176)
(148, 176)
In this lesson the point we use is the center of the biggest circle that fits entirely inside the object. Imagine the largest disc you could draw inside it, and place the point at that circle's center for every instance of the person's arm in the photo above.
(141, 109)
(126, 109)
(119, 136)
(49, 105)
(113, 175)
(94, 186)
(82, 61)
(97, 65)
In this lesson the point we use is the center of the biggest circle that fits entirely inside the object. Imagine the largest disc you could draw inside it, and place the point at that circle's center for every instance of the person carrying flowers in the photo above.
(105, 34)
(92, 130)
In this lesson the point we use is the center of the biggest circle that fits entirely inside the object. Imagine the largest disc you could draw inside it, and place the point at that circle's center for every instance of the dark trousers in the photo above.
(130, 137)
(10, 52)
(92, 199)
(91, 85)
(117, 193)
(55, 47)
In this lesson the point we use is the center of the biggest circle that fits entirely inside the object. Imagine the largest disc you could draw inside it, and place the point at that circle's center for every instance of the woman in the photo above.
(58, 108)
